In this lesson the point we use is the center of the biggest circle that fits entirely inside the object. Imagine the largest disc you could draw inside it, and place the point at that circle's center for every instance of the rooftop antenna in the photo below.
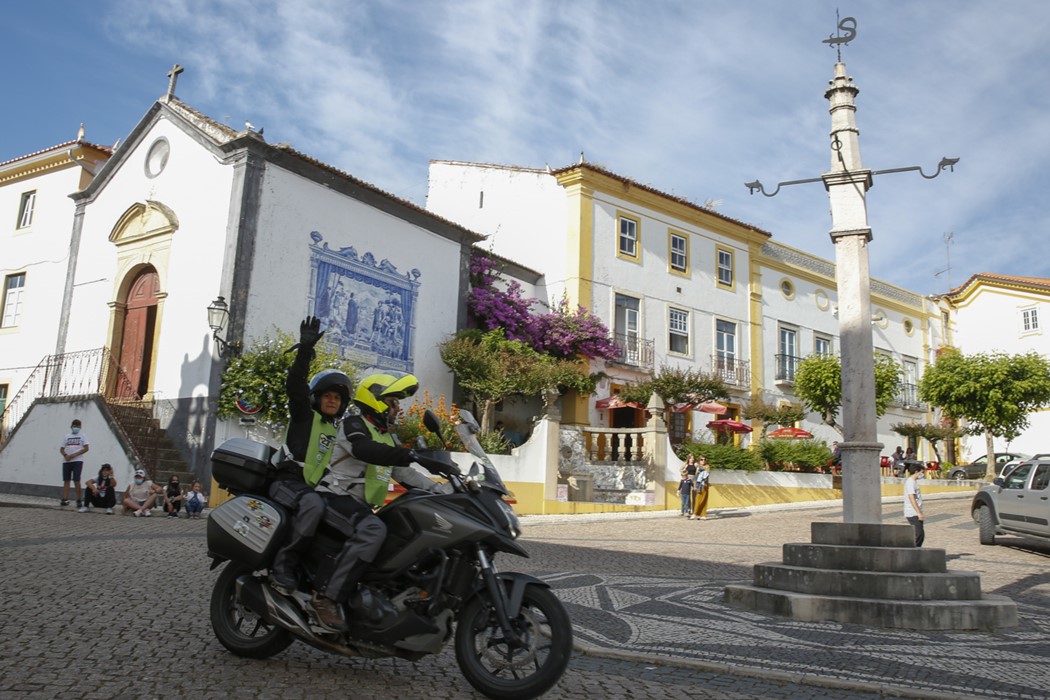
(837, 40)
(949, 239)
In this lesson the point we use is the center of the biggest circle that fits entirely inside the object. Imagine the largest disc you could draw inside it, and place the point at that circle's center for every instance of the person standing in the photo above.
(700, 489)
(913, 502)
(685, 492)
(74, 446)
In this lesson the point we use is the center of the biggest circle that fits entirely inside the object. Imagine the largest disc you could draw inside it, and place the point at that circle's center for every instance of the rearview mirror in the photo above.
(432, 422)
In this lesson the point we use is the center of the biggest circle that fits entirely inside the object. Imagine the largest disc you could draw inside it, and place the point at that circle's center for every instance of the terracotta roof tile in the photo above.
(653, 190)
(62, 146)
(1040, 283)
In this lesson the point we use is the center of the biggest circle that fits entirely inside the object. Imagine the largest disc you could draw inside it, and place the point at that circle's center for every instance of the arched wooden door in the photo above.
(140, 323)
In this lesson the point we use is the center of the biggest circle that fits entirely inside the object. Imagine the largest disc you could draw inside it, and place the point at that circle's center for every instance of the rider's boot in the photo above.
(329, 613)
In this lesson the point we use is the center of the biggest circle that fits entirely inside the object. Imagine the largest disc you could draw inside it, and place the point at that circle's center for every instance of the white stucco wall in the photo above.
(294, 207)
(41, 251)
(197, 188)
(989, 320)
(522, 211)
(32, 457)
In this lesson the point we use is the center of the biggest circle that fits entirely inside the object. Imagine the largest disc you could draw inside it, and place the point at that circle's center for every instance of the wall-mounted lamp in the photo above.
(218, 316)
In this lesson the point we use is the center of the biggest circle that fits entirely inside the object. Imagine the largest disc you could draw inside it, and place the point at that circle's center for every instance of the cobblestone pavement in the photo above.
(654, 587)
(100, 606)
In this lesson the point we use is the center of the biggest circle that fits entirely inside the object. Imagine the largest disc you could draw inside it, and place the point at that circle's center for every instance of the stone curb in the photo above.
(811, 679)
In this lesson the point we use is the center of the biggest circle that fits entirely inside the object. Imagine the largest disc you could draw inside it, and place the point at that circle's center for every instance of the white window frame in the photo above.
(787, 347)
(25, 209)
(678, 252)
(1030, 319)
(725, 262)
(819, 338)
(11, 312)
(722, 349)
(629, 231)
(678, 321)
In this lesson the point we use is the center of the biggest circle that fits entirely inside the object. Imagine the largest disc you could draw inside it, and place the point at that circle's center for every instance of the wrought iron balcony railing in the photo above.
(787, 365)
(635, 351)
(731, 370)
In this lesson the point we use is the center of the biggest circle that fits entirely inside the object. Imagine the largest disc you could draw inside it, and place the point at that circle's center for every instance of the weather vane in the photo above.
(837, 40)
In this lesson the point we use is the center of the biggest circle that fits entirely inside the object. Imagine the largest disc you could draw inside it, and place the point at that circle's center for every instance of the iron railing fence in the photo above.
(86, 373)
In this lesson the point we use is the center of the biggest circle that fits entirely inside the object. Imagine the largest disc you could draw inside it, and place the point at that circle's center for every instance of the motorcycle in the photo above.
(434, 577)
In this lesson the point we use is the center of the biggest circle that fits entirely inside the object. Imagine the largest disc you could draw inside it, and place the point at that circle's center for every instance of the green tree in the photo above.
(770, 414)
(676, 386)
(993, 392)
(818, 383)
(933, 434)
(491, 368)
(255, 380)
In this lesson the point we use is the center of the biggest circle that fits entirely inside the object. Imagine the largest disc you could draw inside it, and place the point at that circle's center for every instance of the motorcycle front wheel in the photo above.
(238, 628)
(508, 671)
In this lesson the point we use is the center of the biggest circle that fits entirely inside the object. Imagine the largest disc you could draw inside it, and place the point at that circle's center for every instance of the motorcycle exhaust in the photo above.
(263, 600)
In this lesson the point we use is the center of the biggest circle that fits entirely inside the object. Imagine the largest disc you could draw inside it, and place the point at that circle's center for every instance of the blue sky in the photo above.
(692, 98)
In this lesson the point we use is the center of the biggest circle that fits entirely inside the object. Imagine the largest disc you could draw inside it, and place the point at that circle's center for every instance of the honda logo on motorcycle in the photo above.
(442, 524)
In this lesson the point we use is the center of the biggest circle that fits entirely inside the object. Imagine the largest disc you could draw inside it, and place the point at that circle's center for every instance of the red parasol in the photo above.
(707, 407)
(791, 433)
(730, 426)
(613, 401)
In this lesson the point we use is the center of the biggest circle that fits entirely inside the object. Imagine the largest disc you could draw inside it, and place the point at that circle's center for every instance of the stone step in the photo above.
(905, 586)
(862, 534)
(990, 612)
(855, 558)
(869, 584)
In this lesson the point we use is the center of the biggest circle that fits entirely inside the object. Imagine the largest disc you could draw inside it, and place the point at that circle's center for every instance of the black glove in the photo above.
(310, 331)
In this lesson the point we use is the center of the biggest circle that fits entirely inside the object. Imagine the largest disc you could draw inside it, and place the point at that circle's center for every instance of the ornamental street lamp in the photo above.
(218, 317)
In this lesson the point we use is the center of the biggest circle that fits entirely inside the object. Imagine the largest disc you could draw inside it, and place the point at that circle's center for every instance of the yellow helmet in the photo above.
(374, 388)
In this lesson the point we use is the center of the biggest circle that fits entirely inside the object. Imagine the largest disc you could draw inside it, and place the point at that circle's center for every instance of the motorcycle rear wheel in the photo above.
(238, 628)
(508, 672)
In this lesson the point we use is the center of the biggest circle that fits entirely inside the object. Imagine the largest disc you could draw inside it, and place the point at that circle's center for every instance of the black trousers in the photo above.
(364, 532)
(307, 508)
(920, 529)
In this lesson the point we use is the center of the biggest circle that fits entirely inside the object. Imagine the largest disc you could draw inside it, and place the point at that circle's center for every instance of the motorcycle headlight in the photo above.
(512, 518)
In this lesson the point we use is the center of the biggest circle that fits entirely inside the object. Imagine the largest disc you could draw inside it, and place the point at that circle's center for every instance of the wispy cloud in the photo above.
(692, 98)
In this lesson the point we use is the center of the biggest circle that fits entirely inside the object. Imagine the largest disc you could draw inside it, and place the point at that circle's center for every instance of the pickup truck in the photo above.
(1018, 504)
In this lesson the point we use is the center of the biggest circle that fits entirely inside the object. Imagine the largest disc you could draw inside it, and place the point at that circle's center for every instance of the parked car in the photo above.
(979, 467)
(1018, 504)
(1012, 464)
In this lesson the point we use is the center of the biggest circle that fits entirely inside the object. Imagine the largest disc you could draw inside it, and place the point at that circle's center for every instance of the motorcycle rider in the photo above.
(366, 457)
(315, 409)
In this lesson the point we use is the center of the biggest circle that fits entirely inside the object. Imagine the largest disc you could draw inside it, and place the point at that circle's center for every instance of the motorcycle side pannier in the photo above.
(241, 465)
(247, 529)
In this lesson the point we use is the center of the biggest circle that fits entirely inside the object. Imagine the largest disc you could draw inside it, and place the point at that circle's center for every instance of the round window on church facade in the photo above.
(157, 157)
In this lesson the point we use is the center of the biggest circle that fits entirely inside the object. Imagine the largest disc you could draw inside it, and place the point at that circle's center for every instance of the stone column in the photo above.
(848, 183)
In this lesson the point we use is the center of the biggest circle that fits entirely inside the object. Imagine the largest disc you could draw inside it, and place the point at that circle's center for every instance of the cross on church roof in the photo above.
(173, 76)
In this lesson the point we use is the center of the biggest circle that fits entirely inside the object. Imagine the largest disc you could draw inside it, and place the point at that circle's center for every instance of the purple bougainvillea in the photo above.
(561, 332)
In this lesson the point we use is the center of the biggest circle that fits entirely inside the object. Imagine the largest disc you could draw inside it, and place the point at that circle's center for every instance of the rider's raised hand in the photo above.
(310, 331)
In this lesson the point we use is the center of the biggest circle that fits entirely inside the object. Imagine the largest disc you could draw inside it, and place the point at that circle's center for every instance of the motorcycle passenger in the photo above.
(315, 409)
(367, 456)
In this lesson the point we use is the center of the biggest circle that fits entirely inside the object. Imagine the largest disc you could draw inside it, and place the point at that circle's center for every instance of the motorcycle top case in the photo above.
(241, 465)
(247, 529)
